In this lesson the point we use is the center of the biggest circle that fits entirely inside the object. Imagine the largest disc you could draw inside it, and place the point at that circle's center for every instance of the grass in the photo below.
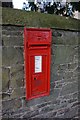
(35, 19)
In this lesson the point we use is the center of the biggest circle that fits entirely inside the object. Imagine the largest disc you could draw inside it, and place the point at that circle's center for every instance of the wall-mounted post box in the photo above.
(37, 54)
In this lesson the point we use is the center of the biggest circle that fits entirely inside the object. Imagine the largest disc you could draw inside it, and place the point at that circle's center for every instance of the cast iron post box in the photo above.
(37, 55)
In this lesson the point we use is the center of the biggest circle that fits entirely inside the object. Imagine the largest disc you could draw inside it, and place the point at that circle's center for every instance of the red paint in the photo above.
(37, 54)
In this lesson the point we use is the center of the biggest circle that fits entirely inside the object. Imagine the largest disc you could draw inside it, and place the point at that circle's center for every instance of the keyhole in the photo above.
(34, 78)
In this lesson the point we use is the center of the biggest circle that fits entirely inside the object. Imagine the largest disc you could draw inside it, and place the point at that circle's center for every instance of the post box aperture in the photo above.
(37, 55)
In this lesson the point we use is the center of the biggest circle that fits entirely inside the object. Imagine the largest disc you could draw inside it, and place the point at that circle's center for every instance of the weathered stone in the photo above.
(0, 79)
(0, 56)
(42, 105)
(56, 33)
(13, 28)
(79, 83)
(0, 98)
(64, 54)
(12, 41)
(58, 69)
(70, 75)
(66, 97)
(31, 114)
(0, 41)
(70, 79)
(54, 93)
(58, 84)
(12, 33)
(48, 115)
(17, 93)
(46, 109)
(16, 116)
(17, 76)
(52, 85)
(21, 111)
(11, 105)
(78, 69)
(71, 113)
(5, 79)
(72, 66)
(55, 69)
(60, 113)
(69, 88)
(63, 103)
(5, 96)
(56, 77)
(65, 37)
(33, 102)
(12, 56)
(75, 95)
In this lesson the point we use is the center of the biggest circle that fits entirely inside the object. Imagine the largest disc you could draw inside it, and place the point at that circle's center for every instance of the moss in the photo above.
(35, 19)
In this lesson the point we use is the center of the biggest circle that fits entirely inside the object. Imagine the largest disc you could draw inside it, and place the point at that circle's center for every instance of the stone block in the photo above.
(43, 101)
(17, 93)
(0, 34)
(64, 54)
(17, 76)
(0, 41)
(63, 103)
(47, 115)
(65, 37)
(70, 75)
(42, 105)
(12, 33)
(58, 84)
(5, 96)
(75, 95)
(12, 56)
(79, 38)
(72, 66)
(54, 93)
(0, 98)
(5, 79)
(46, 109)
(58, 69)
(55, 77)
(10, 106)
(0, 79)
(69, 88)
(33, 102)
(0, 56)
(19, 112)
(71, 113)
(16, 116)
(73, 101)
(12, 41)
(70, 79)
(78, 69)
(31, 114)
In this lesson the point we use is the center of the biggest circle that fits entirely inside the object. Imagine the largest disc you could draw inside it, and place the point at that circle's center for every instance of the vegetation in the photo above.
(35, 19)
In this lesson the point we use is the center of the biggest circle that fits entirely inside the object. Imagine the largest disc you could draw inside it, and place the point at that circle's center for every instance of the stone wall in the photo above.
(63, 101)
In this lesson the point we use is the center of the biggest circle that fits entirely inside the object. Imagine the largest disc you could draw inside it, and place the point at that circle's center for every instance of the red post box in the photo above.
(37, 54)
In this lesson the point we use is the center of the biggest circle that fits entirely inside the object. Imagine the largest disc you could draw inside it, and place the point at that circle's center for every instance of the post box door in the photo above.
(38, 78)
(38, 73)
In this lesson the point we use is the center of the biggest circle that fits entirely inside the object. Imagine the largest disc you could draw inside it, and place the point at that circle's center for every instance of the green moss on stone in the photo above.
(35, 19)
